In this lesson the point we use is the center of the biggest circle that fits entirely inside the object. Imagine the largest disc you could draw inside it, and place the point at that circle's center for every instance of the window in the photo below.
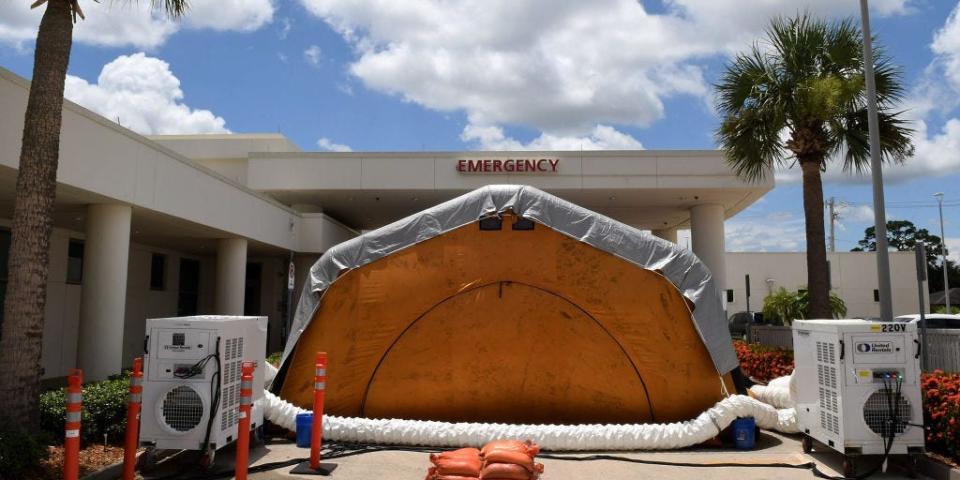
(75, 262)
(189, 294)
(158, 272)
(730, 295)
(876, 295)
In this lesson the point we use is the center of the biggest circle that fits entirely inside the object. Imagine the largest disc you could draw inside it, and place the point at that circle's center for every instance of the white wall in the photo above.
(62, 315)
(853, 276)
(99, 157)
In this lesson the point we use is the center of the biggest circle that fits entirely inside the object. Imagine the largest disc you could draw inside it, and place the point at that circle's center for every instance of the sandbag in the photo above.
(462, 452)
(505, 471)
(457, 465)
(528, 448)
(509, 456)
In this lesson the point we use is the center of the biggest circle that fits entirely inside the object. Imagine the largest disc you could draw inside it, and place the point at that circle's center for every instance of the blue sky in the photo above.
(468, 74)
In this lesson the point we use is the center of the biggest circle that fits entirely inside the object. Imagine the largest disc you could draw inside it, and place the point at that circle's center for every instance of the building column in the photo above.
(231, 275)
(106, 252)
(707, 238)
(668, 234)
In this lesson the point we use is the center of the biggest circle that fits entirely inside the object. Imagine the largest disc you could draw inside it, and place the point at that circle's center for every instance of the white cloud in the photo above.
(328, 145)
(855, 214)
(560, 66)
(946, 45)
(953, 249)
(313, 55)
(238, 15)
(286, 25)
(142, 94)
(602, 137)
(134, 23)
(774, 232)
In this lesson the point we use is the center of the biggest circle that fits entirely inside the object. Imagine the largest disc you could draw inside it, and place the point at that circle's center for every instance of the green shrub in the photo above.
(274, 358)
(20, 453)
(104, 411)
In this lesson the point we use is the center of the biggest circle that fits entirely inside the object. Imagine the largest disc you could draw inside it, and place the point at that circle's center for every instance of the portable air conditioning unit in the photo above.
(858, 385)
(191, 388)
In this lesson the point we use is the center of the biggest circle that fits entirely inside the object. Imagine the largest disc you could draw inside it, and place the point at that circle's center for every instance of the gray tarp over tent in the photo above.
(678, 265)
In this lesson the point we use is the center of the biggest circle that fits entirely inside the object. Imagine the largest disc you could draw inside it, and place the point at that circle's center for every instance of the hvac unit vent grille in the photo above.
(827, 387)
(182, 409)
(876, 412)
(230, 394)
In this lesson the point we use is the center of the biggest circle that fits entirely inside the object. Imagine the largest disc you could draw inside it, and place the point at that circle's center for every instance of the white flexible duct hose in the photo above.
(777, 392)
(269, 373)
(550, 437)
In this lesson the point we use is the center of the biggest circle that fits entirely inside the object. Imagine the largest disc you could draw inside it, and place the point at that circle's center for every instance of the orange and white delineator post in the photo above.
(319, 392)
(134, 400)
(243, 426)
(314, 467)
(71, 442)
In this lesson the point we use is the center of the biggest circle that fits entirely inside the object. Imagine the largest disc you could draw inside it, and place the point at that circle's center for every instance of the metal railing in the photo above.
(772, 336)
(943, 345)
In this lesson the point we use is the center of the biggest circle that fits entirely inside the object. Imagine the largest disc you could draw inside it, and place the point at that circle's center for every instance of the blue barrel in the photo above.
(744, 433)
(304, 425)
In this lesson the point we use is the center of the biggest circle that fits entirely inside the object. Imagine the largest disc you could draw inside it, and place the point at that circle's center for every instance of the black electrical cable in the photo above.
(195, 369)
(215, 381)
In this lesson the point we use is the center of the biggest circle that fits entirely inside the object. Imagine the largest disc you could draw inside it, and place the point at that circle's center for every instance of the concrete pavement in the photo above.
(392, 465)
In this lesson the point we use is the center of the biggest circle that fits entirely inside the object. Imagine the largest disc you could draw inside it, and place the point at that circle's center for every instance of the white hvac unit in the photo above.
(191, 388)
(858, 387)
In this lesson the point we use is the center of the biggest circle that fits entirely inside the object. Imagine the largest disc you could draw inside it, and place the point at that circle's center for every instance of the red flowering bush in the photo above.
(941, 393)
(763, 363)
(941, 411)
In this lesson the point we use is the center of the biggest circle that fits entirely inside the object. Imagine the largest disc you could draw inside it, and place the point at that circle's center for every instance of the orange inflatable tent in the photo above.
(510, 305)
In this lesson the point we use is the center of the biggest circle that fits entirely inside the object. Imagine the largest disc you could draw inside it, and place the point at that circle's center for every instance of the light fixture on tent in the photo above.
(523, 224)
(493, 222)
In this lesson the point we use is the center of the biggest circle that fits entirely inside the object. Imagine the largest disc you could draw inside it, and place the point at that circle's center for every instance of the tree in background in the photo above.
(22, 329)
(782, 307)
(903, 235)
(799, 97)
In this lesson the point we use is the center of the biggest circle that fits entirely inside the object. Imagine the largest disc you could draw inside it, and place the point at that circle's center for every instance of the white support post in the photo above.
(104, 296)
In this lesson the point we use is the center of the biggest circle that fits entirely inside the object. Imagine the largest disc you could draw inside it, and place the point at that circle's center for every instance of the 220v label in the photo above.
(893, 327)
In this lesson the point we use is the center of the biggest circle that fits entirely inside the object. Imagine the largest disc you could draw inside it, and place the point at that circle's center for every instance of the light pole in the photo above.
(943, 253)
(876, 170)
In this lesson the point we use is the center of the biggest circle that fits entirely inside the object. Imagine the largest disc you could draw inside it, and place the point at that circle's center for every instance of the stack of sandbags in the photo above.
(463, 464)
(510, 460)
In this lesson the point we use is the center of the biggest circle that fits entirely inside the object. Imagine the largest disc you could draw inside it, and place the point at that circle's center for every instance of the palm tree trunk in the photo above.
(23, 312)
(817, 280)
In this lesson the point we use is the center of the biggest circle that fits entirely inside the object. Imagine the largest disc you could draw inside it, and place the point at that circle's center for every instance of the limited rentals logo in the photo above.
(875, 347)
(509, 165)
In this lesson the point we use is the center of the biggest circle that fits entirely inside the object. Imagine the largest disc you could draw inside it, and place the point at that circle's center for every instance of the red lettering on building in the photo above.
(509, 165)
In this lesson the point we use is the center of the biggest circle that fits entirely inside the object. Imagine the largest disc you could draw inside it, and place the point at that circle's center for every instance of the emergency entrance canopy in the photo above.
(508, 304)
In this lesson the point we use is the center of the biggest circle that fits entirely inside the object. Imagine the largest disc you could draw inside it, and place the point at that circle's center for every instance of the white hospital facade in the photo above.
(154, 226)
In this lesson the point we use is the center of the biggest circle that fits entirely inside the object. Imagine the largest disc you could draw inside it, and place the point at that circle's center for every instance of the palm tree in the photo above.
(23, 311)
(800, 97)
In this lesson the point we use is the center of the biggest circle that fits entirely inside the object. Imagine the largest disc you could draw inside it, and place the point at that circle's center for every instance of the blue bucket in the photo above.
(744, 433)
(304, 425)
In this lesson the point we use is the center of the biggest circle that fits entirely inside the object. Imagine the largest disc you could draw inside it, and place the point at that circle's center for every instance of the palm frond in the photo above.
(173, 8)
(807, 74)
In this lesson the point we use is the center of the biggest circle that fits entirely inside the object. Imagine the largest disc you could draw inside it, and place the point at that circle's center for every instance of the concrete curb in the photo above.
(115, 471)
(937, 470)
(110, 472)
